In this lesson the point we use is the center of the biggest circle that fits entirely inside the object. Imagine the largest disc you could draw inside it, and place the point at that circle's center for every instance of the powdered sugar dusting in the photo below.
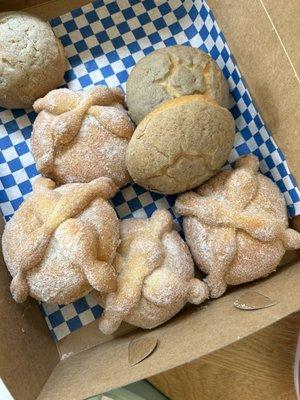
(155, 275)
(68, 267)
(235, 226)
(86, 140)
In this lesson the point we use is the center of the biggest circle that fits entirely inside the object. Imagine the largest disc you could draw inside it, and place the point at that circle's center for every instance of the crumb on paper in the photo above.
(243, 306)
(66, 355)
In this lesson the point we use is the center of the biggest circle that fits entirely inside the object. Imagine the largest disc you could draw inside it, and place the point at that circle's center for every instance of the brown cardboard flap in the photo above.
(52, 8)
(87, 337)
(44, 9)
(190, 335)
(287, 26)
(265, 65)
(28, 354)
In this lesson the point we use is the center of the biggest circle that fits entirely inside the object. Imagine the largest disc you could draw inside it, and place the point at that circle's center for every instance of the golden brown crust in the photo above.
(61, 242)
(236, 226)
(179, 101)
(155, 275)
(180, 144)
(78, 137)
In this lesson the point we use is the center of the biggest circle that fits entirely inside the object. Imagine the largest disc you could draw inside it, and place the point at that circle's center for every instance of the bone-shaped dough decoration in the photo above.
(236, 226)
(61, 242)
(155, 275)
(80, 136)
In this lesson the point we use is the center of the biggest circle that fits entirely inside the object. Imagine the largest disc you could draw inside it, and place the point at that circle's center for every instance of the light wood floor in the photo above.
(259, 367)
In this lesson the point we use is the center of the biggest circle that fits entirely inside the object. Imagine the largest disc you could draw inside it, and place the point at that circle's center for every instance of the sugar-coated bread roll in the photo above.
(32, 59)
(173, 72)
(81, 136)
(236, 226)
(155, 275)
(61, 242)
(180, 144)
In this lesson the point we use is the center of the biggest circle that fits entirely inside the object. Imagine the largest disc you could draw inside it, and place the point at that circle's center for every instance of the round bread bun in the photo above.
(173, 72)
(180, 144)
(32, 59)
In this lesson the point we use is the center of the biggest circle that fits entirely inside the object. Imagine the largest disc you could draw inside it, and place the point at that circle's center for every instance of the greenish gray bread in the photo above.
(172, 72)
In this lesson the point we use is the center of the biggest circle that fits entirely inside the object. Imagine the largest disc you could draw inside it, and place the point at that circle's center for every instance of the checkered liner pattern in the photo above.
(102, 43)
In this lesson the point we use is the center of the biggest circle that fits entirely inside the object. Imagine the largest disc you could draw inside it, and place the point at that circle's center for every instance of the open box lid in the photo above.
(28, 355)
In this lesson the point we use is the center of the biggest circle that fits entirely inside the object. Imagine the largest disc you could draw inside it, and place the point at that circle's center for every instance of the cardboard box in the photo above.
(86, 363)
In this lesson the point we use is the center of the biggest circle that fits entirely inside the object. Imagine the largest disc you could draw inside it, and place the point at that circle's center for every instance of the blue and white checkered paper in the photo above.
(103, 41)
